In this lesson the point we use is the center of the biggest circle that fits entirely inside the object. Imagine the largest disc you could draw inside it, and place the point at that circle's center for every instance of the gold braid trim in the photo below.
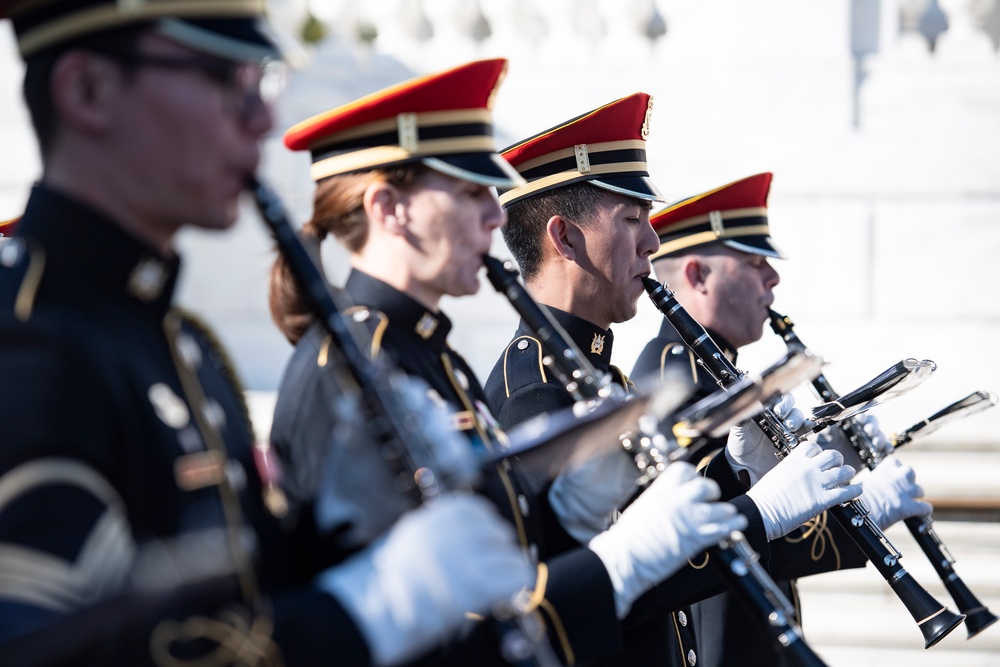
(699, 566)
(560, 631)
(818, 530)
(228, 368)
(239, 643)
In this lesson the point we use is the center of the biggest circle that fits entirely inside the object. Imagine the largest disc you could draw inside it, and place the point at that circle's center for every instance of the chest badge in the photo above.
(168, 406)
(427, 325)
(597, 345)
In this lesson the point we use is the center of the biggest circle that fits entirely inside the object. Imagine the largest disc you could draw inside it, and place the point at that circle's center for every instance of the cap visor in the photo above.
(233, 39)
(755, 245)
(484, 168)
(636, 186)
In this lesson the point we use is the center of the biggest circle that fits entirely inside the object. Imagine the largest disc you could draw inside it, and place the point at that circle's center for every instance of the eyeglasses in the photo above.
(243, 83)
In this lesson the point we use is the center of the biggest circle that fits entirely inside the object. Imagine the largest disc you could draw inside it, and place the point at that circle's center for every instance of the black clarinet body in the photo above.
(934, 619)
(399, 428)
(734, 559)
(977, 616)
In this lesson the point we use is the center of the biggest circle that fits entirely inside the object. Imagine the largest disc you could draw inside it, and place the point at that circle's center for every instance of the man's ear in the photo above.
(696, 272)
(84, 89)
(562, 236)
(384, 208)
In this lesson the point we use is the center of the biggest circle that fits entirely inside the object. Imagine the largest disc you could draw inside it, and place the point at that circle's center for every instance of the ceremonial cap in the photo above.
(232, 29)
(734, 215)
(442, 120)
(605, 147)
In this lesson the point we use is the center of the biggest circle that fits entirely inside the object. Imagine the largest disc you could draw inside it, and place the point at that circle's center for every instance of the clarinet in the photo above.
(733, 558)
(977, 616)
(934, 619)
(409, 439)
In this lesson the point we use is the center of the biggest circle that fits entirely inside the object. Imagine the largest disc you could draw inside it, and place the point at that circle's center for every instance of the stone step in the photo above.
(956, 477)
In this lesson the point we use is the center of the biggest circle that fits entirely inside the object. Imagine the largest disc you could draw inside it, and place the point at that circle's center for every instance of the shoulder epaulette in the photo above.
(672, 354)
(520, 346)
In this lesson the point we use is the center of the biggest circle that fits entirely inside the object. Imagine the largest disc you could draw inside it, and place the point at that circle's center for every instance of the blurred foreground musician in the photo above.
(579, 230)
(133, 528)
(714, 253)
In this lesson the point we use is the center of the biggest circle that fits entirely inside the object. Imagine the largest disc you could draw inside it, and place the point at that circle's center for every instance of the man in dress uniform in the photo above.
(579, 230)
(403, 180)
(133, 526)
(714, 253)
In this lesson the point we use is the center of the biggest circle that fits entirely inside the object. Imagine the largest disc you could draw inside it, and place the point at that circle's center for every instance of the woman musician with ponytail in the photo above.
(579, 231)
(714, 253)
(403, 181)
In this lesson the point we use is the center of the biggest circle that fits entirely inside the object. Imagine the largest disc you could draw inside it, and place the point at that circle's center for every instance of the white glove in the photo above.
(585, 496)
(670, 522)
(891, 493)
(834, 437)
(412, 587)
(802, 485)
(749, 449)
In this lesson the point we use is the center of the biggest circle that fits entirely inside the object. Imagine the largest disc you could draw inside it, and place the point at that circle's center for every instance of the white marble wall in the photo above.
(886, 201)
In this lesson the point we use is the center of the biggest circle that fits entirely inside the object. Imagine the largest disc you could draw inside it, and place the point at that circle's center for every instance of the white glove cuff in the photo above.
(619, 567)
(393, 631)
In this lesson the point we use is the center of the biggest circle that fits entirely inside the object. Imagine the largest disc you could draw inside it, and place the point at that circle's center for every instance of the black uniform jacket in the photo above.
(658, 628)
(727, 632)
(574, 594)
(120, 421)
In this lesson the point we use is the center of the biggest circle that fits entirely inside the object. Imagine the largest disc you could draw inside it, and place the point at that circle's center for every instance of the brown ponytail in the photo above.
(338, 209)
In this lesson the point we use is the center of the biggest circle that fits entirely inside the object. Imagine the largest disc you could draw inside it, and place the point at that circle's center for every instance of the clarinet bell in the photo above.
(977, 616)
(934, 619)
(978, 620)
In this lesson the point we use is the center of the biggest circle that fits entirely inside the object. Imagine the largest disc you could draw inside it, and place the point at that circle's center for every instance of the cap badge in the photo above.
(171, 410)
(644, 132)
(715, 219)
(427, 325)
(582, 158)
(406, 124)
(597, 345)
(147, 279)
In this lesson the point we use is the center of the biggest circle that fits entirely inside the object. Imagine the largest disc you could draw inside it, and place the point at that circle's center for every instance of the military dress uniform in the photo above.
(440, 122)
(123, 428)
(735, 214)
(659, 628)
(574, 592)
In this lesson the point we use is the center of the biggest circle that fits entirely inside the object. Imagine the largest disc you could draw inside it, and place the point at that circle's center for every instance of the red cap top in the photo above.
(442, 120)
(606, 146)
(734, 214)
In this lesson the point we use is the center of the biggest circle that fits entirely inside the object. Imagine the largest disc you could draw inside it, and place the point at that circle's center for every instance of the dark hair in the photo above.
(527, 218)
(338, 209)
(37, 86)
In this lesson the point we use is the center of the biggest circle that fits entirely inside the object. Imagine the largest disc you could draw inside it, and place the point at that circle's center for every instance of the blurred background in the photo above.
(880, 120)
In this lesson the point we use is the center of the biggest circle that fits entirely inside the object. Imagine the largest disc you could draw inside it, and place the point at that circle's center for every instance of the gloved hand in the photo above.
(802, 485)
(749, 449)
(834, 437)
(585, 496)
(412, 587)
(670, 522)
(891, 493)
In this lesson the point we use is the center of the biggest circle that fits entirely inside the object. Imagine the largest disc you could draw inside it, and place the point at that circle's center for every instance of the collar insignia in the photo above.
(147, 279)
(426, 326)
(597, 345)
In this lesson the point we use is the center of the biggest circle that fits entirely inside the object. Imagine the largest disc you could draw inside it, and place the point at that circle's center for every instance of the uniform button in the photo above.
(522, 504)
(682, 619)
(692, 658)
(522, 345)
